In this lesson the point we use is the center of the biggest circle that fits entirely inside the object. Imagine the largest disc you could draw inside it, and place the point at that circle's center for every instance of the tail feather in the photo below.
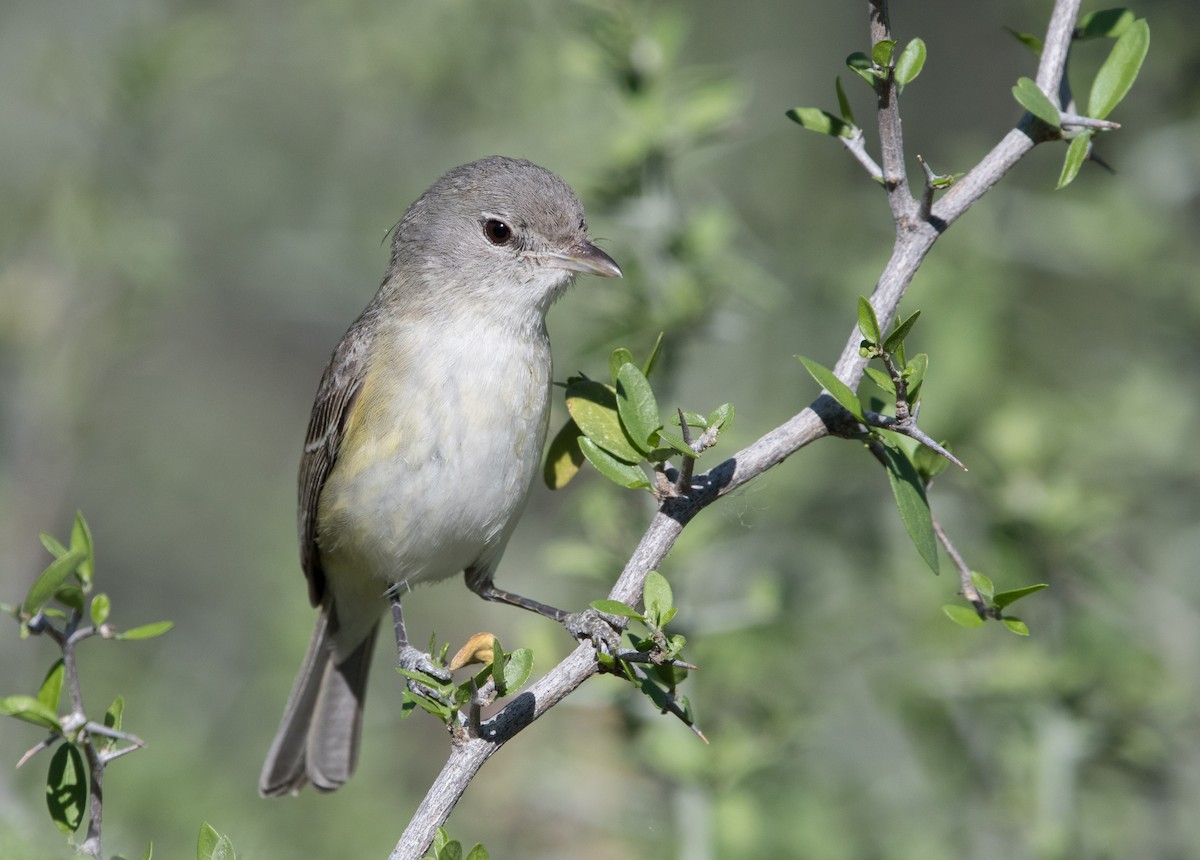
(318, 737)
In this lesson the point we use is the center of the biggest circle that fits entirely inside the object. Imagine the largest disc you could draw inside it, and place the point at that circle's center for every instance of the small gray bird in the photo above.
(426, 435)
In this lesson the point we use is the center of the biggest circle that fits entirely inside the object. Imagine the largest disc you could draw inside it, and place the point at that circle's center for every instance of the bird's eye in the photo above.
(497, 232)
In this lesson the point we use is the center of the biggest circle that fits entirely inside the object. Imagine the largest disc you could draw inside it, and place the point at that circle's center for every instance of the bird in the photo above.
(425, 436)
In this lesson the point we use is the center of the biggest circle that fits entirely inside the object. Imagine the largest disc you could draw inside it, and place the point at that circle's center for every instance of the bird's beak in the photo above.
(583, 257)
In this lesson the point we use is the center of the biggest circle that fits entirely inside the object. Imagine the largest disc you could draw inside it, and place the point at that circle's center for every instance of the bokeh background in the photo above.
(192, 203)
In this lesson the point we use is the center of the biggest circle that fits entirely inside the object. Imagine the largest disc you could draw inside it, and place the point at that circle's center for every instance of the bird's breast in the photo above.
(438, 453)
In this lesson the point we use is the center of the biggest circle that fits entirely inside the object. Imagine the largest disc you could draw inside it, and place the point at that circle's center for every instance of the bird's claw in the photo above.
(603, 631)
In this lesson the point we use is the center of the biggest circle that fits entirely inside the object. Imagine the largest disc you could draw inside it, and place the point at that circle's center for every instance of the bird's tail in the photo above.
(318, 737)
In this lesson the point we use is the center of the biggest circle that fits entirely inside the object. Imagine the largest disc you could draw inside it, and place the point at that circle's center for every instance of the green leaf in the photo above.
(81, 540)
(146, 631)
(1030, 97)
(868, 322)
(616, 607)
(70, 595)
(721, 417)
(50, 693)
(517, 669)
(1120, 70)
(100, 608)
(149, 855)
(657, 598)
(1077, 154)
(593, 405)
(910, 62)
(652, 359)
(30, 710)
(616, 358)
(50, 579)
(1106, 23)
(843, 102)
(963, 615)
(675, 442)
(1016, 625)
(861, 65)
(881, 379)
(837, 389)
(914, 373)
(983, 585)
(66, 788)
(637, 407)
(1007, 598)
(623, 474)
(52, 543)
(478, 853)
(1029, 40)
(563, 457)
(899, 333)
(114, 714)
(212, 845)
(930, 463)
(912, 504)
(822, 122)
(882, 51)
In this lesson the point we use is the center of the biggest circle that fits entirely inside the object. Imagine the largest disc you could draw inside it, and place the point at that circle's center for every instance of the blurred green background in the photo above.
(192, 203)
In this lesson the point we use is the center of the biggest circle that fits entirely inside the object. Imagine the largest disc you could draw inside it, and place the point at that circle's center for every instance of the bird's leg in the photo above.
(410, 657)
(588, 624)
(479, 580)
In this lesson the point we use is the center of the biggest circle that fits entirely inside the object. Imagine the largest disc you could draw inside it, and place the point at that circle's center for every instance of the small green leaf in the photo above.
(1120, 70)
(616, 607)
(114, 714)
(1007, 598)
(1029, 40)
(50, 579)
(211, 845)
(676, 443)
(963, 615)
(868, 322)
(517, 669)
(100, 608)
(149, 855)
(882, 51)
(30, 710)
(593, 405)
(861, 65)
(843, 102)
(81, 540)
(909, 492)
(66, 788)
(1016, 625)
(146, 631)
(652, 359)
(657, 598)
(50, 693)
(51, 543)
(721, 417)
(616, 358)
(623, 474)
(914, 374)
(983, 585)
(881, 379)
(910, 62)
(1029, 96)
(563, 457)
(837, 389)
(478, 853)
(1107, 23)
(930, 463)
(899, 333)
(70, 595)
(822, 122)
(1077, 154)
(637, 407)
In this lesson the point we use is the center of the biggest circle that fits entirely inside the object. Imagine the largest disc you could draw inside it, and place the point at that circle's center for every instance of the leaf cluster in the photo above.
(617, 427)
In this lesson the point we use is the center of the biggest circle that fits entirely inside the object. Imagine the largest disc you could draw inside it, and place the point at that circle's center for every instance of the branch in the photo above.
(915, 236)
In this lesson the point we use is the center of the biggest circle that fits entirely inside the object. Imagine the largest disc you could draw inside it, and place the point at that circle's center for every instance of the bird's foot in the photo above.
(436, 681)
(603, 631)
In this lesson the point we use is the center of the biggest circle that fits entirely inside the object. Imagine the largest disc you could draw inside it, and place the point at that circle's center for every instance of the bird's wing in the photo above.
(340, 384)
